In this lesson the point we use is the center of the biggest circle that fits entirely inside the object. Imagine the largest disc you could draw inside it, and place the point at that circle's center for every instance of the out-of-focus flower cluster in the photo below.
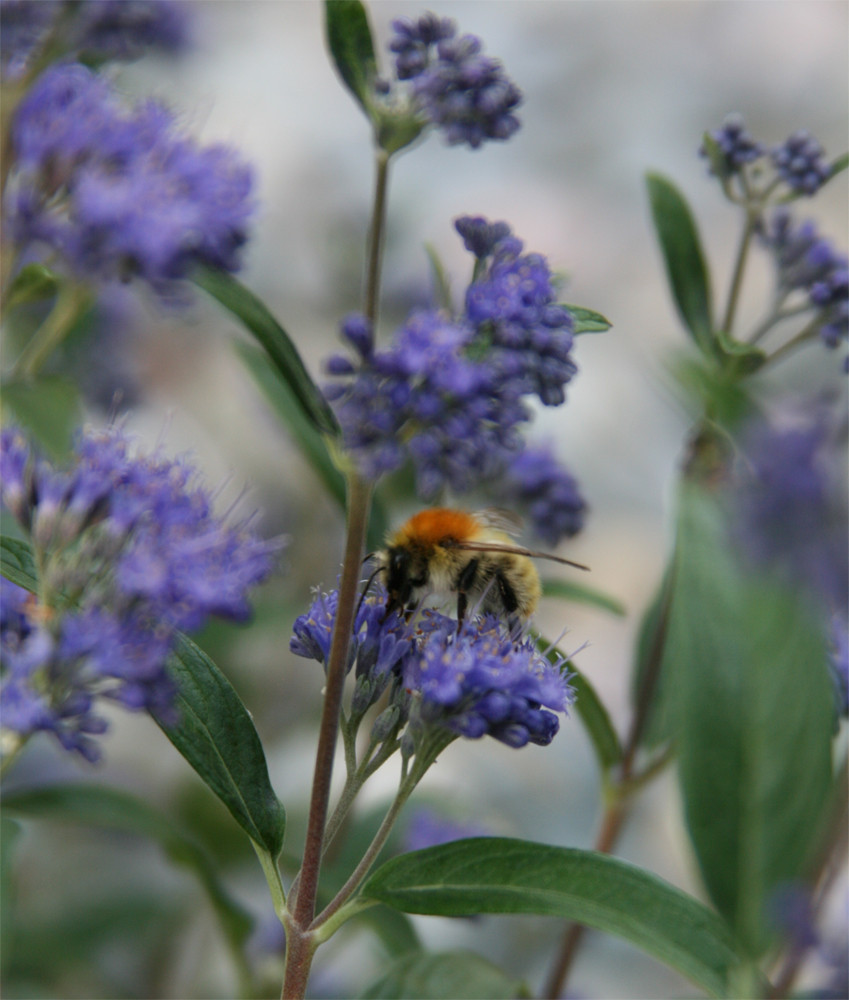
(473, 680)
(128, 551)
(116, 191)
(806, 263)
(454, 86)
(450, 393)
(790, 512)
(31, 30)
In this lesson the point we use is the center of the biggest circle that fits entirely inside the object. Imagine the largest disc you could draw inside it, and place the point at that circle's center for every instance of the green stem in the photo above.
(272, 877)
(739, 267)
(376, 231)
(70, 301)
(802, 337)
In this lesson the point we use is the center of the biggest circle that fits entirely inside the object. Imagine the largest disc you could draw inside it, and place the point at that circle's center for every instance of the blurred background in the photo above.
(611, 90)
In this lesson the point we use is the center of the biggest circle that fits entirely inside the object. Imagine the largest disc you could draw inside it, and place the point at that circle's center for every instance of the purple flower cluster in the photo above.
(537, 483)
(449, 393)
(472, 682)
(98, 29)
(117, 191)
(800, 162)
(479, 680)
(463, 92)
(736, 144)
(131, 551)
(808, 262)
(425, 398)
(513, 306)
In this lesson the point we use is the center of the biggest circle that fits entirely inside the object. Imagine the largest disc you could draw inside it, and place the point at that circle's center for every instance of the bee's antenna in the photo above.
(366, 586)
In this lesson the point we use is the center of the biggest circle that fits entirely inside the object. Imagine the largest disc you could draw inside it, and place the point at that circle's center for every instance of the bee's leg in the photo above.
(464, 585)
(510, 603)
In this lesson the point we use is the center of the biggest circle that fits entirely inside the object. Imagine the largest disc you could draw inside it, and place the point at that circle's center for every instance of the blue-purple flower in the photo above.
(428, 828)
(479, 680)
(513, 307)
(98, 29)
(425, 398)
(538, 484)
(454, 85)
(807, 262)
(130, 551)
(735, 143)
(449, 393)
(471, 680)
(117, 191)
(790, 505)
(800, 162)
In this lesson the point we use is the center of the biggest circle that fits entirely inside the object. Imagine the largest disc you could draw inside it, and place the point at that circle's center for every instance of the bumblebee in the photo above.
(472, 555)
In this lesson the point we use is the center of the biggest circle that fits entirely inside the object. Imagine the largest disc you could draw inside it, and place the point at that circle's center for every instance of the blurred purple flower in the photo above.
(117, 191)
(807, 262)
(735, 143)
(800, 162)
(99, 29)
(537, 483)
(428, 828)
(461, 91)
(135, 542)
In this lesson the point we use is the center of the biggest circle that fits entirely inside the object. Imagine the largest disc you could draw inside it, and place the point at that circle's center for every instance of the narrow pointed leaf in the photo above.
(97, 805)
(351, 45)
(16, 563)
(587, 320)
(216, 735)
(32, 284)
(583, 595)
(313, 445)
(499, 875)
(589, 708)
(49, 408)
(686, 268)
(256, 318)
(755, 711)
(461, 975)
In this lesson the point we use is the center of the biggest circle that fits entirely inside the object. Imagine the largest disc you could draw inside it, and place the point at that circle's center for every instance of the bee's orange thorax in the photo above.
(436, 526)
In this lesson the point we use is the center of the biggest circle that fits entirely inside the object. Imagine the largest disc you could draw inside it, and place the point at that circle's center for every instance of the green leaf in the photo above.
(313, 446)
(686, 268)
(16, 563)
(755, 708)
(32, 284)
(587, 320)
(461, 975)
(583, 595)
(499, 875)
(589, 707)
(97, 805)
(740, 358)
(349, 40)
(49, 408)
(216, 735)
(254, 315)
